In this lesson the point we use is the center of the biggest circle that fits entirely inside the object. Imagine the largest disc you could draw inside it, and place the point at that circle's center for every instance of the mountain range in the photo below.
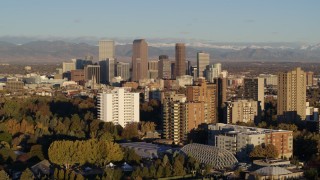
(44, 51)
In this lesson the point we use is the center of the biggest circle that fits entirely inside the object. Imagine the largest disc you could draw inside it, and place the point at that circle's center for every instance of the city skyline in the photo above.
(248, 21)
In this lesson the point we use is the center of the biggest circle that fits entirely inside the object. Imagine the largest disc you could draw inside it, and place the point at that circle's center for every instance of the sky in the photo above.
(208, 20)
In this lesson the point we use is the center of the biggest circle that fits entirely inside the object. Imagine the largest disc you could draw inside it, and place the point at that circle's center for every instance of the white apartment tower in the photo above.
(119, 106)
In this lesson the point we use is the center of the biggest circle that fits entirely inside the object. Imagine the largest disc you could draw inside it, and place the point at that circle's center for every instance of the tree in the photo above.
(5, 136)
(27, 175)
(165, 160)
(159, 173)
(113, 174)
(178, 169)
(167, 171)
(311, 174)
(264, 151)
(130, 131)
(131, 156)
(36, 151)
(152, 171)
(4, 175)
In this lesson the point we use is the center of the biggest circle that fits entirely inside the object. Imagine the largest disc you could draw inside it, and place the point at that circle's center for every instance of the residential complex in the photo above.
(240, 140)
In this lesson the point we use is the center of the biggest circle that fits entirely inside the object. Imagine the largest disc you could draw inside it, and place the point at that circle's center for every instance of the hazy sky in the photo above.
(218, 21)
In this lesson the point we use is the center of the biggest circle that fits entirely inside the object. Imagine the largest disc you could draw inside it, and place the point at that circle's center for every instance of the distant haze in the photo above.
(28, 49)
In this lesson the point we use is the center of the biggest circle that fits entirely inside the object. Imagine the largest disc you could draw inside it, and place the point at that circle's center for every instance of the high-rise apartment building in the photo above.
(119, 106)
(68, 66)
(92, 72)
(139, 60)
(174, 117)
(247, 111)
(203, 60)
(309, 75)
(164, 67)
(123, 70)
(106, 49)
(292, 95)
(107, 70)
(205, 93)
(254, 89)
(180, 65)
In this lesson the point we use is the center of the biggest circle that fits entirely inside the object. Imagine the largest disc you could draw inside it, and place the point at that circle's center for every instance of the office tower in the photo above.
(153, 67)
(68, 66)
(81, 63)
(247, 111)
(254, 89)
(213, 71)
(180, 65)
(292, 95)
(194, 72)
(174, 117)
(218, 67)
(221, 95)
(92, 72)
(202, 63)
(118, 106)
(188, 67)
(173, 69)
(309, 78)
(139, 60)
(164, 67)
(106, 49)
(77, 75)
(123, 70)
(205, 93)
(240, 140)
(107, 70)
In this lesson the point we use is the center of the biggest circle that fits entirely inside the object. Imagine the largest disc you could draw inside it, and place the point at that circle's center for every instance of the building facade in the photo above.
(107, 70)
(203, 60)
(247, 111)
(92, 72)
(68, 66)
(139, 60)
(254, 89)
(204, 92)
(291, 101)
(106, 49)
(180, 63)
(164, 67)
(119, 106)
(240, 140)
(123, 70)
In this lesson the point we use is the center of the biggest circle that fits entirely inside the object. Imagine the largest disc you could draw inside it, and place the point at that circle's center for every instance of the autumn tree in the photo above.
(27, 175)
(264, 151)
(130, 131)
(4, 175)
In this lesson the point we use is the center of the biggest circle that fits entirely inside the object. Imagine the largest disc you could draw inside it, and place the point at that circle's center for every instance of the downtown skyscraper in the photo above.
(106, 49)
(203, 60)
(107, 60)
(139, 60)
(180, 65)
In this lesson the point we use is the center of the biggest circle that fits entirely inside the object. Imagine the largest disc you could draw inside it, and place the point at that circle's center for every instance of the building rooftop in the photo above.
(217, 157)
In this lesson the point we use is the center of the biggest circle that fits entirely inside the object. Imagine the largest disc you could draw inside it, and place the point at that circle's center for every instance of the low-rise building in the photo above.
(240, 140)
